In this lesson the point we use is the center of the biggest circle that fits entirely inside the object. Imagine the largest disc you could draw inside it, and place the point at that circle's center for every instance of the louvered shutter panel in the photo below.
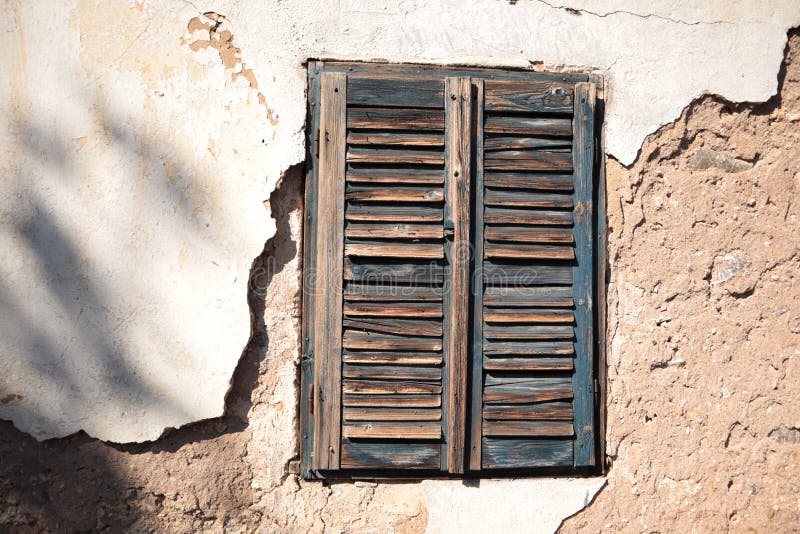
(532, 383)
(380, 301)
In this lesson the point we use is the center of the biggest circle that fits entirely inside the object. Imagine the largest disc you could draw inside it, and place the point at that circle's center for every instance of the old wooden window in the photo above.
(450, 271)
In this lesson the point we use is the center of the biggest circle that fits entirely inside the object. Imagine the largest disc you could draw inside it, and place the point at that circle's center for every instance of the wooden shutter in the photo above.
(532, 384)
(388, 381)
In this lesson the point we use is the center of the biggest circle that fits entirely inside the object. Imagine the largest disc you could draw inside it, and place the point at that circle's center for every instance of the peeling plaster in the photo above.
(141, 147)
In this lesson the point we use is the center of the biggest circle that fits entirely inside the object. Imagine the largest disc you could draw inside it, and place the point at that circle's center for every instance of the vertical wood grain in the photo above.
(583, 284)
(328, 271)
(458, 108)
(476, 383)
(308, 262)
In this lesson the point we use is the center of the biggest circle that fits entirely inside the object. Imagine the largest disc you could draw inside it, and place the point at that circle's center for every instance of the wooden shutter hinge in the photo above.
(311, 402)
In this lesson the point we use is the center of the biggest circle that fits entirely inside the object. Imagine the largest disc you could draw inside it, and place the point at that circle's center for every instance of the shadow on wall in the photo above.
(79, 483)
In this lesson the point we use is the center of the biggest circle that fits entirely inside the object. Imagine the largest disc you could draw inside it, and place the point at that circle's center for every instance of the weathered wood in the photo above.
(514, 124)
(357, 292)
(395, 231)
(395, 194)
(525, 389)
(530, 96)
(393, 430)
(369, 212)
(407, 139)
(411, 327)
(501, 453)
(526, 199)
(392, 401)
(528, 364)
(518, 180)
(392, 372)
(549, 411)
(491, 331)
(533, 429)
(395, 119)
(376, 249)
(513, 274)
(526, 380)
(393, 309)
(531, 252)
(476, 404)
(530, 296)
(494, 215)
(583, 287)
(528, 234)
(399, 91)
(378, 387)
(422, 272)
(528, 160)
(527, 315)
(493, 144)
(381, 455)
(532, 348)
(395, 175)
(458, 170)
(393, 358)
(368, 341)
(393, 414)
(397, 156)
(329, 240)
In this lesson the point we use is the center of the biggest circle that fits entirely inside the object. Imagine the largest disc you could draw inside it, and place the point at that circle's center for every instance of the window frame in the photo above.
(306, 423)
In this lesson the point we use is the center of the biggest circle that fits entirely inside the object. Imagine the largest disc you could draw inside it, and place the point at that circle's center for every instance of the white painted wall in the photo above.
(137, 154)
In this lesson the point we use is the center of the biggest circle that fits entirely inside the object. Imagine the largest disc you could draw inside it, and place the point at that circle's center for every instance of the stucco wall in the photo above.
(143, 143)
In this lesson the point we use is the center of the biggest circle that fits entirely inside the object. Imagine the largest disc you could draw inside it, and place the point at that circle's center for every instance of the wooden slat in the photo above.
(395, 194)
(392, 414)
(399, 91)
(527, 315)
(376, 249)
(527, 234)
(528, 296)
(533, 429)
(397, 156)
(391, 325)
(531, 96)
(518, 180)
(491, 331)
(528, 160)
(514, 274)
(494, 215)
(512, 124)
(458, 168)
(532, 348)
(393, 358)
(525, 389)
(394, 175)
(549, 411)
(390, 387)
(361, 340)
(526, 199)
(583, 384)
(395, 119)
(369, 212)
(528, 364)
(328, 305)
(392, 372)
(393, 309)
(393, 430)
(531, 252)
(373, 293)
(493, 144)
(422, 272)
(407, 139)
(394, 231)
(502, 453)
(382, 455)
(393, 401)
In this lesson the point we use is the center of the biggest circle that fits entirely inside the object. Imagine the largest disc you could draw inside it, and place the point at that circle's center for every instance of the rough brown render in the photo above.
(704, 368)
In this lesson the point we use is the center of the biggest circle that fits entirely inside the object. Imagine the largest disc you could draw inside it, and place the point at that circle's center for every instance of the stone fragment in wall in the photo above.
(732, 272)
(705, 158)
